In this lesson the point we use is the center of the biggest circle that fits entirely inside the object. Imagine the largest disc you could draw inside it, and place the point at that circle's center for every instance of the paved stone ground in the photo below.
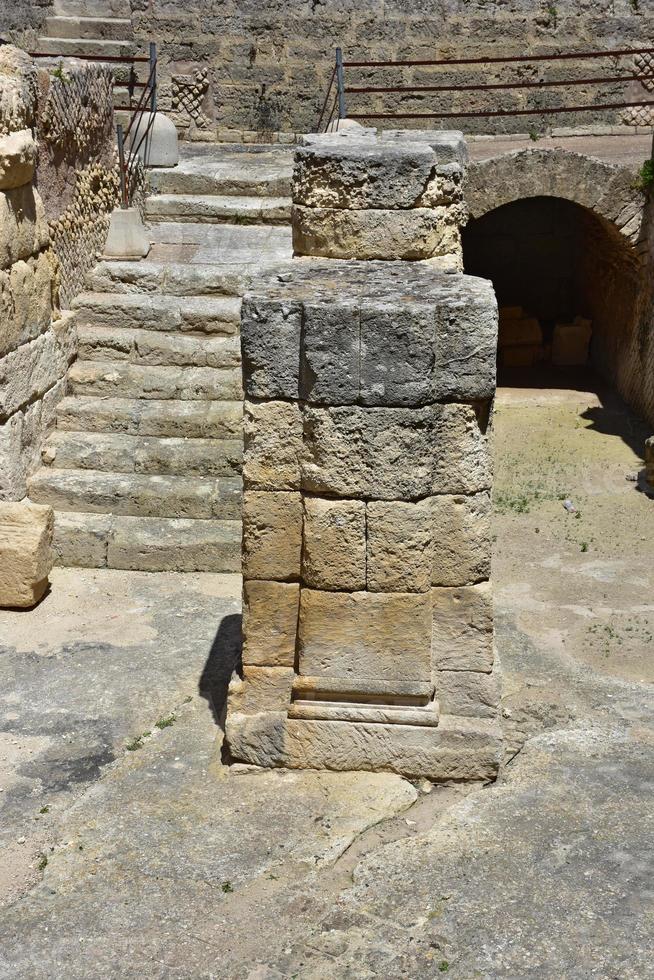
(627, 150)
(126, 857)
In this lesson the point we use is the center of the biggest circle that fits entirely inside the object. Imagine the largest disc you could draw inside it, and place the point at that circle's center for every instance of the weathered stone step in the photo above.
(151, 544)
(209, 314)
(150, 347)
(137, 495)
(177, 279)
(150, 417)
(204, 170)
(70, 47)
(105, 28)
(219, 209)
(120, 453)
(123, 380)
(92, 8)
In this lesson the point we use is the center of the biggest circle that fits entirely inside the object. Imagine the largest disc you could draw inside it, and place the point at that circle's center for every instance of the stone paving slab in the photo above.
(628, 150)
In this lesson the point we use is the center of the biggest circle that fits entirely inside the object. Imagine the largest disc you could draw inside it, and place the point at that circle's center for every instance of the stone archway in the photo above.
(612, 252)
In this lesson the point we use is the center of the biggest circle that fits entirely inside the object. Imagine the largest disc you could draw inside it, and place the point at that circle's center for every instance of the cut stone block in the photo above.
(458, 749)
(270, 342)
(414, 233)
(514, 332)
(466, 692)
(329, 370)
(359, 173)
(273, 445)
(376, 714)
(334, 544)
(23, 225)
(649, 460)
(385, 334)
(461, 462)
(461, 538)
(272, 535)
(463, 628)
(399, 539)
(365, 634)
(17, 159)
(363, 452)
(570, 343)
(270, 615)
(25, 553)
(261, 689)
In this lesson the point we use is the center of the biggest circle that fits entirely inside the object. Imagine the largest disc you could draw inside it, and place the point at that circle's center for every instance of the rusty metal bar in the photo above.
(324, 105)
(513, 59)
(340, 81)
(499, 85)
(497, 112)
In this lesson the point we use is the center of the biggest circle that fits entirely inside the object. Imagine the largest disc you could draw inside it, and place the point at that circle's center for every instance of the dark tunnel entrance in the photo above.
(568, 287)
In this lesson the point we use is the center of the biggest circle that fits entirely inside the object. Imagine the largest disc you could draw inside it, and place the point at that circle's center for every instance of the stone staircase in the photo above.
(143, 468)
(97, 29)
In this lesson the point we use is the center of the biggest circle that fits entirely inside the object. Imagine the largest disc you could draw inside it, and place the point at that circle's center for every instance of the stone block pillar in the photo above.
(368, 627)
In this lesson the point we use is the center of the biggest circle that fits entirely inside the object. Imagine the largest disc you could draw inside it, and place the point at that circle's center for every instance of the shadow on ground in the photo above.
(224, 658)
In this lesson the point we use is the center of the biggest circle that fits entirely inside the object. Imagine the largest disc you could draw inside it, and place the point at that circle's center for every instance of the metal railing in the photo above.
(140, 133)
(128, 150)
(339, 91)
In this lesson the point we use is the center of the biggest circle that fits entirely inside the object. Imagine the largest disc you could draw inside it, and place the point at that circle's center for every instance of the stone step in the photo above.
(152, 347)
(92, 8)
(227, 171)
(120, 453)
(70, 47)
(237, 209)
(150, 544)
(151, 417)
(137, 495)
(175, 278)
(120, 379)
(209, 314)
(105, 28)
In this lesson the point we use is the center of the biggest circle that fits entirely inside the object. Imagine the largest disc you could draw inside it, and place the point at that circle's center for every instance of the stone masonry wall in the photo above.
(77, 169)
(368, 626)
(37, 343)
(265, 65)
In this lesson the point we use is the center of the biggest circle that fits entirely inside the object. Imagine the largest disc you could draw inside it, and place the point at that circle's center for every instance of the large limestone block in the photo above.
(272, 535)
(449, 145)
(270, 614)
(25, 553)
(360, 173)
(260, 689)
(412, 234)
(467, 692)
(365, 634)
(18, 89)
(17, 159)
(334, 544)
(23, 225)
(363, 452)
(463, 628)
(20, 450)
(25, 301)
(461, 538)
(330, 364)
(273, 445)
(29, 371)
(462, 461)
(270, 342)
(399, 542)
(458, 749)
(386, 334)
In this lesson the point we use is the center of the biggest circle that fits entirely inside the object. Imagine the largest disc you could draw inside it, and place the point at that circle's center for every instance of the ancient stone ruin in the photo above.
(368, 625)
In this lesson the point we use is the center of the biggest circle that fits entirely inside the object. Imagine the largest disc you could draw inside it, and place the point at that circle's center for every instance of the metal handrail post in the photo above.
(340, 81)
(121, 164)
(153, 76)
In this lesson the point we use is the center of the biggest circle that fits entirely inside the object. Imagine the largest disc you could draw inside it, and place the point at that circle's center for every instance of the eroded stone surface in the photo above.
(25, 552)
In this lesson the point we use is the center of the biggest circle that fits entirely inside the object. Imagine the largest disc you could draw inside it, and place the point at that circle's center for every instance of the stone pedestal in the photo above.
(368, 627)
(25, 553)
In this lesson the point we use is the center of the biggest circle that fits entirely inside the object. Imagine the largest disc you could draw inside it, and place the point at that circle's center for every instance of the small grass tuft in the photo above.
(443, 966)
(43, 863)
(645, 177)
(165, 722)
(227, 887)
(45, 809)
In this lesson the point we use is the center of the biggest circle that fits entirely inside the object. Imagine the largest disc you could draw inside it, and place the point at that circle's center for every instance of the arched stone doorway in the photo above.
(564, 237)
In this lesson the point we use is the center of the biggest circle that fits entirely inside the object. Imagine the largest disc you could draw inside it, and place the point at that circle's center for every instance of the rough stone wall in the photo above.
(77, 172)
(264, 65)
(37, 343)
